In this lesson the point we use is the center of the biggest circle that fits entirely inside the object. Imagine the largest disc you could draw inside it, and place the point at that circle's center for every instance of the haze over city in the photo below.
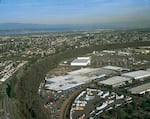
(128, 12)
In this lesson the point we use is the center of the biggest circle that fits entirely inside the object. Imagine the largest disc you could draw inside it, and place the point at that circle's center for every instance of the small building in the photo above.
(81, 61)
(142, 89)
(137, 74)
(116, 81)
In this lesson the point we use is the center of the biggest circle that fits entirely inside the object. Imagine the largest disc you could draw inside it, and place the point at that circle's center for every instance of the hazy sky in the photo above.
(75, 11)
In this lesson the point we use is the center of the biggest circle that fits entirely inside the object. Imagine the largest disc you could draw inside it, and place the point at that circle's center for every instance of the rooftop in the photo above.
(114, 80)
(83, 71)
(73, 79)
(80, 61)
(140, 89)
(137, 74)
(148, 69)
(65, 82)
(115, 68)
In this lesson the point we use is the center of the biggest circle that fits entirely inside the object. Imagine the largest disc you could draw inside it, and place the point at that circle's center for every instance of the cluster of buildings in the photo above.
(117, 81)
(107, 101)
(82, 76)
(48, 43)
(126, 78)
(9, 70)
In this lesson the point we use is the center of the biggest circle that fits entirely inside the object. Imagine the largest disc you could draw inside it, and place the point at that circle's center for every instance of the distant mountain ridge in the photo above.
(5, 27)
(19, 28)
(11, 26)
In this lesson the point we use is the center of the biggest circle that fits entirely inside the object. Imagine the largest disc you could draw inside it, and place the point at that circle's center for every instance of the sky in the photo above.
(135, 12)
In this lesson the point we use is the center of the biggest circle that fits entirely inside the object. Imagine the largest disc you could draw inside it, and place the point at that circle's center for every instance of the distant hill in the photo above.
(12, 26)
(20, 28)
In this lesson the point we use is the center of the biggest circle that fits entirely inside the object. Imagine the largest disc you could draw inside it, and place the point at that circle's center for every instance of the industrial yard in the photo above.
(93, 102)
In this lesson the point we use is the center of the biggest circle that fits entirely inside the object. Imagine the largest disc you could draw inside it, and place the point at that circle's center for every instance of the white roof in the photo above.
(73, 79)
(115, 68)
(3, 79)
(65, 82)
(148, 69)
(137, 74)
(81, 60)
(114, 80)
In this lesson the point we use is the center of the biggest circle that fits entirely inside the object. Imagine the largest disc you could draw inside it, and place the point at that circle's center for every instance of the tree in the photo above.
(8, 89)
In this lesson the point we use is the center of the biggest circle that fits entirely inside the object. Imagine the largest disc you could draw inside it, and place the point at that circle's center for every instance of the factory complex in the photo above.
(125, 78)
(82, 76)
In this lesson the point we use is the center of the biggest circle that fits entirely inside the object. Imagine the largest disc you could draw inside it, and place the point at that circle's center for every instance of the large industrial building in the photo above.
(140, 74)
(75, 78)
(116, 68)
(140, 89)
(148, 69)
(115, 81)
(81, 61)
(63, 83)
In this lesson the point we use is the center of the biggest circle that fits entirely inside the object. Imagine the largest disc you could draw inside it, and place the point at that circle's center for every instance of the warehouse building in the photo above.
(148, 69)
(91, 72)
(142, 89)
(64, 83)
(137, 74)
(75, 79)
(81, 61)
(116, 81)
(116, 68)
